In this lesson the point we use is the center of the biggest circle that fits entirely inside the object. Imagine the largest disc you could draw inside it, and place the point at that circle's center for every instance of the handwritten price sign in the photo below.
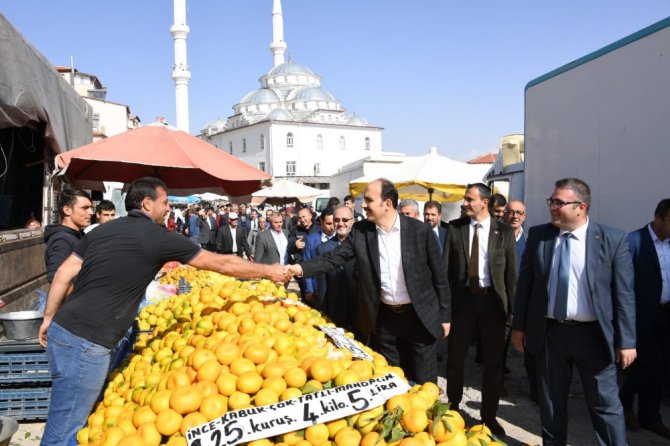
(254, 423)
(343, 341)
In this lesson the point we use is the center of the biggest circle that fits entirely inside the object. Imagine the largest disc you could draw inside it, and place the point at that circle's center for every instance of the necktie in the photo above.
(474, 262)
(563, 282)
(437, 236)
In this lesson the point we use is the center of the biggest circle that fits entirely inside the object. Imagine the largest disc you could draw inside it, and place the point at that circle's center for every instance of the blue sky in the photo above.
(431, 72)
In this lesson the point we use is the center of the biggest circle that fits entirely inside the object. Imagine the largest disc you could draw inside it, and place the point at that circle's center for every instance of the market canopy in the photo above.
(285, 191)
(428, 177)
(185, 163)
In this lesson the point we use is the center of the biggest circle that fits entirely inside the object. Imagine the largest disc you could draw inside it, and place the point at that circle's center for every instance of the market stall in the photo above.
(221, 361)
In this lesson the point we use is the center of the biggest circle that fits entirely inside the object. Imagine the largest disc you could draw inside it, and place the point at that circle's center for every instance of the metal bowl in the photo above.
(21, 325)
(8, 427)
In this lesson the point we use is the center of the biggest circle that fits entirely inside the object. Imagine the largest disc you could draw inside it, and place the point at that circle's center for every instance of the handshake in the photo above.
(283, 273)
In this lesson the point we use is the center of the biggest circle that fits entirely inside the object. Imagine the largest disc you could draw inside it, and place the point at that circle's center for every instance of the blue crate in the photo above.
(25, 404)
(28, 367)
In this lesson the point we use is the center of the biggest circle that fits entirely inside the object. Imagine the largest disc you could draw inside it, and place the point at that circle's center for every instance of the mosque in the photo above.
(291, 127)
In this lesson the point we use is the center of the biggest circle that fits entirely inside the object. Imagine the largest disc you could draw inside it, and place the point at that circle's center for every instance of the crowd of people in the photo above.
(569, 293)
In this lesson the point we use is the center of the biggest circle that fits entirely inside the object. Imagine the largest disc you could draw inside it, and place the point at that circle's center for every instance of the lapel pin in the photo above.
(495, 232)
(597, 237)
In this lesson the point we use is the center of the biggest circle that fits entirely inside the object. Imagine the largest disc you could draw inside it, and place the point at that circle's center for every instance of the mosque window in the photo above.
(261, 165)
(230, 147)
(289, 139)
(367, 143)
(317, 168)
(319, 142)
(244, 145)
(342, 143)
(290, 168)
(262, 142)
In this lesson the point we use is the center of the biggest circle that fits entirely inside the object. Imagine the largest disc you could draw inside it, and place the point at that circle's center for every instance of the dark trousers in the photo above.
(477, 314)
(584, 346)
(404, 341)
(647, 372)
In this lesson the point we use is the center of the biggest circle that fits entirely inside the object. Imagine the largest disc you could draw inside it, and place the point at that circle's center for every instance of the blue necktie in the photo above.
(563, 282)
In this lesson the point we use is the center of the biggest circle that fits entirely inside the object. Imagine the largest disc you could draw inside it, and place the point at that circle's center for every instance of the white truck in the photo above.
(604, 118)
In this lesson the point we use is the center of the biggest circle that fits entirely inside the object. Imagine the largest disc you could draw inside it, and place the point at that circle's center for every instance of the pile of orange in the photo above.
(228, 345)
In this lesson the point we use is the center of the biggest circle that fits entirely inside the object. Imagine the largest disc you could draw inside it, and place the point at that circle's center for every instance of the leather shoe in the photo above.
(658, 428)
(495, 427)
(631, 420)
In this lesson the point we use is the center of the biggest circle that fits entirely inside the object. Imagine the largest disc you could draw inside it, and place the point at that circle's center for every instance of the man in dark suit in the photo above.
(650, 250)
(271, 244)
(403, 297)
(313, 241)
(432, 214)
(480, 258)
(575, 306)
(207, 224)
(230, 239)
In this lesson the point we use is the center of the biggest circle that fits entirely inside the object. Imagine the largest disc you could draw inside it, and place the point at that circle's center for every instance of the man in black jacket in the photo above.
(230, 239)
(403, 297)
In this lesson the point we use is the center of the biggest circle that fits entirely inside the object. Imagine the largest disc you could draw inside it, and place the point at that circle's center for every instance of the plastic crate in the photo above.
(19, 368)
(25, 404)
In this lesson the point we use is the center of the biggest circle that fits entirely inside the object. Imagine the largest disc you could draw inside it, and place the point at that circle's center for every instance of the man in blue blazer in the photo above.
(650, 250)
(575, 306)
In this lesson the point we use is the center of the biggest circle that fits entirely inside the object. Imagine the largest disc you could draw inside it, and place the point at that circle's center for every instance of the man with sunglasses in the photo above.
(575, 306)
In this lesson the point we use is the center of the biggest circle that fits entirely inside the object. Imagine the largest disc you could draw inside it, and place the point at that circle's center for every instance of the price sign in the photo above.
(254, 423)
(343, 341)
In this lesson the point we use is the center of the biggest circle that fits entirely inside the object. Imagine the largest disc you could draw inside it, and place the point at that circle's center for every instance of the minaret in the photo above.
(180, 72)
(277, 46)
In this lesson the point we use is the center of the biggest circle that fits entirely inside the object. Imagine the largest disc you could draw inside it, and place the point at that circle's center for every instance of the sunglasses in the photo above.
(343, 220)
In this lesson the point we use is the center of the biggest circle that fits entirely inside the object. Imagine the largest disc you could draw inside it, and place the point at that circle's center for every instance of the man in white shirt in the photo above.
(480, 257)
(271, 244)
(650, 250)
(232, 240)
(403, 303)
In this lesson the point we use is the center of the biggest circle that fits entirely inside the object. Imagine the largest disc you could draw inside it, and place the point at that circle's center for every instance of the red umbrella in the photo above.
(185, 163)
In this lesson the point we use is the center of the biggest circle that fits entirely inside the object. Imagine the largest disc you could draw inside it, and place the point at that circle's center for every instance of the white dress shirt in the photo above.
(580, 306)
(663, 253)
(392, 276)
(484, 272)
(233, 232)
(519, 235)
(282, 243)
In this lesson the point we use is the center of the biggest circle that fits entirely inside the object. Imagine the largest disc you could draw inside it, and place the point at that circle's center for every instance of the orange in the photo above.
(112, 436)
(132, 440)
(273, 369)
(346, 377)
(241, 365)
(192, 420)
(239, 400)
(292, 438)
(178, 378)
(409, 441)
(419, 400)
(149, 434)
(227, 384)
(185, 400)
(290, 393)
(206, 388)
(143, 415)
(372, 439)
(127, 426)
(362, 368)
(425, 439)
(214, 406)
(398, 401)
(160, 401)
(261, 442)
(321, 370)
(168, 422)
(249, 382)
(177, 441)
(348, 436)
(317, 434)
(226, 352)
(199, 357)
(265, 397)
(414, 420)
(479, 428)
(334, 426)
(295, 377)
(257, 352)
(459, 439)
(209, 370)
(275, 383)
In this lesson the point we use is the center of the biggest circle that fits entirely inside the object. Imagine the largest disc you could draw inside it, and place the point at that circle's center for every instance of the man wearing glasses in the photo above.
(575, 306)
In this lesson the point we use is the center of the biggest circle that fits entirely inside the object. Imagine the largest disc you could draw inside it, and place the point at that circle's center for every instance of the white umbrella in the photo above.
(429, 177)
(285, 191)
(210, 196)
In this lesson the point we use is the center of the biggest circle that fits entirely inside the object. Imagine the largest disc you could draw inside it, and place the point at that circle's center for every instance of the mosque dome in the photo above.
(216, 126)
(260, 96)
(357, 120)
(310, 93)
(279, 114)
(291, 68)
